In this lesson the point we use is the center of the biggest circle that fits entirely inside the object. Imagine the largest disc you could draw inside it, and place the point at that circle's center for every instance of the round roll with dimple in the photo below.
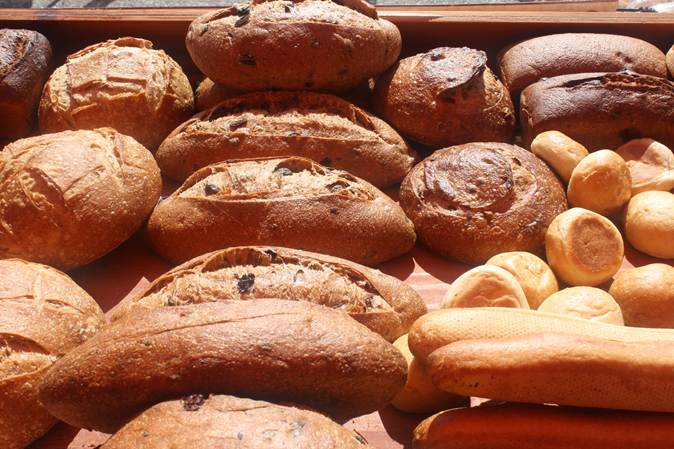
(485, 286)
(646, 295)
(649, 223)
(533, 274)
(584, 302)
(470, 202)
(651, 165)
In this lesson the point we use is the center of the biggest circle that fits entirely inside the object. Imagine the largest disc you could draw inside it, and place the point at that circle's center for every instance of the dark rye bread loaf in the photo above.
(321, 127)
(292, 202)
(43, 315)
(269, 349)
(383, 303)
(303, 44)
(25, 57)
(600, 110)
(563, 54)
(227, 422)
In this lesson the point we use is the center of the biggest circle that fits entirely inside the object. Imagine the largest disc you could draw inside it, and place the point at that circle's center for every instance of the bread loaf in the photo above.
(308, 44)
(43, 315)
(670, 61)
(291, 202)
(208, 94)
(600, 110)
(71, 197)
(227, 422)
(269, 349)
(25, 57)
(382, 303)
(645, 295)
(321, 127)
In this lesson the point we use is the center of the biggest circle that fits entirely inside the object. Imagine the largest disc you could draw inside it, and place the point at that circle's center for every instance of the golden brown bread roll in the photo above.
(646, 295)
(71, 197)
(561, 152)
(446, 96)
(649, 223)
(470, 202)
(122, 84)
(485, 286)
(583, 248)
(532, 273)
(651, 165)
(601, 182)
(584, 302)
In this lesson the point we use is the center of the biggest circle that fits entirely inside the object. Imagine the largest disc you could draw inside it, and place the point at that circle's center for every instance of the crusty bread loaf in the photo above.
(600, 110)
(208, 94)
(227, 422)
(562, 54)
(646, 295)
(268, 349)
(122, 84)
(307, 44)
(670, 61)
(43, 315)
(71, 197)
(470, 202)
(25, 57)
(526, 426)
(292, 202)
(382, 303)
(321, 127)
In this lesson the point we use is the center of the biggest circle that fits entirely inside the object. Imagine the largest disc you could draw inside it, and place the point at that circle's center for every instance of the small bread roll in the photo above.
(584, 302)
(561, 152)
(646, 295)
(533, 274)
(485, 286)
(670, 61)
(651, 165)
(419, 394)
(583, 248)
(649, 223)
(601, 182)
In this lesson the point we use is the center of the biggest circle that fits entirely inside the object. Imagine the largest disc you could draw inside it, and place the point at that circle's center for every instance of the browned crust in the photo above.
(208, 94)
(600, 110)
(269, 349)
(670, 61)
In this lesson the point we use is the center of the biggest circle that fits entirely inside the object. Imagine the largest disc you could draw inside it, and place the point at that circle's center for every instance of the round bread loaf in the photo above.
(471, 202)
(307, 44)
(71, 197)
(446, 96)
(584, 302)
(583, 248)
(25, 58)
(292, 202)
(122, 84)
(651, 165)
(560, 152)
(649, 223)
(383, 303)
(270, 349)
(321, 127)
(646, 295)
(208, 94)
(532, 273)
(670, 61)
(205, 422)
(485, 286)
(43, 315)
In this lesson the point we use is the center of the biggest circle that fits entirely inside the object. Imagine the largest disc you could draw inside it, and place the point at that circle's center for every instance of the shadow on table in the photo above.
(399, 426)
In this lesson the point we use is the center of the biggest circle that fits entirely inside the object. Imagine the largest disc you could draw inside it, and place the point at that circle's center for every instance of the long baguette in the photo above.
(561, 369)
(526, 426)
(439, 328)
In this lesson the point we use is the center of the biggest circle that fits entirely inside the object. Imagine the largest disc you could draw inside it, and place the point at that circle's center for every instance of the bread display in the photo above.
(485, 286)
(562, 54)
(600, 110)
(227, 422)
(25, 59)
(583, 248)
(308, 44)
(122, 84)
(531, 272)
(471, 202)
(71, 197)
(651, 165)
(43, 315)
(292, 202)
(382, 303)
(601, 182)
(645, 295)
(321, 127)
(649, 223)
(584, 302)
(270, 349)
(446, 96)
(560, 152)
(208, 94)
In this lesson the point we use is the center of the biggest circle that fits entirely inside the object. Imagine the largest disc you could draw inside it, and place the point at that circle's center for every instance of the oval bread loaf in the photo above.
(292, 202)
(321, 127)
(270, 349)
